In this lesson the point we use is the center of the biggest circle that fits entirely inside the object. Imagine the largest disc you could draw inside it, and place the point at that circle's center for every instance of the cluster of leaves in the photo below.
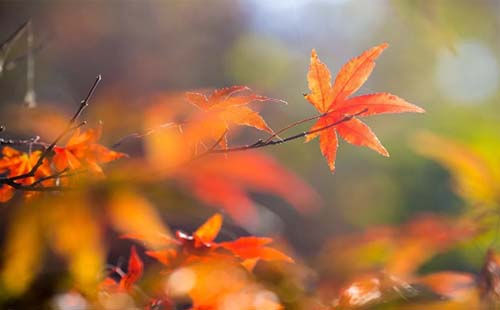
(182, 258)
(214, 275)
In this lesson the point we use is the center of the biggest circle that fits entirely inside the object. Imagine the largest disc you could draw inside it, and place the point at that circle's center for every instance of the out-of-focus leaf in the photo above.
(134, 270)
(75, 234)
(217, 284)
(473, 177)
(132, 214)
(225, 182)
(210, 229)
(23, 250)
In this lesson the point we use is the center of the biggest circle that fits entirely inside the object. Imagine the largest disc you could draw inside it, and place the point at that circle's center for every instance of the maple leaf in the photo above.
(134, 272)
(333, 102)
(15, 163)
(201, 244)
(475, 179)
(226, 182)
(405, 247)
(82, 150)
(222, 109)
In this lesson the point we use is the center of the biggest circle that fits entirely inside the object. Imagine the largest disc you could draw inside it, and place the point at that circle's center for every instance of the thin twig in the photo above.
(31, 141)
(292, 125)
(6, 45)
(218, 141)
(61, 174)
(261, 143)
(147, 132)
(47, 151)
(22, 187)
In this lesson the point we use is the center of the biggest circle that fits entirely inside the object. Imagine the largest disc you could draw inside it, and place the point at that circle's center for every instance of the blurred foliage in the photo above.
(363, 230)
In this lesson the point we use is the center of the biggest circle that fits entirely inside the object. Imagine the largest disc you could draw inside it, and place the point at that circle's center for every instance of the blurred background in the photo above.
(444, 56)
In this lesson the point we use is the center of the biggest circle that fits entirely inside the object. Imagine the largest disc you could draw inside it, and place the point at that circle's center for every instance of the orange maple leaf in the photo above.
(83, 151)
(14, 163)
(201, 244)
(226, 182)
(334, 103)
(222, 109)
(134, 272)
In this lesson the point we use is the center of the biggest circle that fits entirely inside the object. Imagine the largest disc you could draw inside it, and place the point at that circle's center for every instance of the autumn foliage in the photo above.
(72, 195)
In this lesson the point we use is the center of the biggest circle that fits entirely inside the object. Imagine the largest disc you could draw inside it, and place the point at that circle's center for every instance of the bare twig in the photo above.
(48, 150)
(28, 188)
(30, 142)
(7, 44)
(147, 132)
(30, 96)
(295, 124)
(261, 143)
(61, 174)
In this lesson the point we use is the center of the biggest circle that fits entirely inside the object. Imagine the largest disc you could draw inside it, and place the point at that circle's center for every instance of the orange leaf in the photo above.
(240, 115)
(333, 103)
(165, 256)
(378, 103)
(319, 80)
(357, 133)
(355, 73)
(226, 183)
(448, 283)
(134, 270)
(246, 242)
(254, 248)
(222, 109)
(82, 149)
(14, 163)
(207, 232)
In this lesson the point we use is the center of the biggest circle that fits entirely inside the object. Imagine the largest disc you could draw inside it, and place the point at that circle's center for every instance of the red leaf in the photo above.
(134, 270)
(333, 102)
(357, 133)
(254, 248)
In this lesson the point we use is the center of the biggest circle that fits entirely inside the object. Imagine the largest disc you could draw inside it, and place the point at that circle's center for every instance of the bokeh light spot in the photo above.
(471, 75)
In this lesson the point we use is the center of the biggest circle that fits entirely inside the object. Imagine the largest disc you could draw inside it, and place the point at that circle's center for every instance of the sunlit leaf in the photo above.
(333, 102)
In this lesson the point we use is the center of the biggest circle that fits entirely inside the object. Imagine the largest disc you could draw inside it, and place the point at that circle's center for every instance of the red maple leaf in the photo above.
(334, 103)
(82, 150)
(134, 272)
(227, 182)
(14, 163)
(224, 108)
(187, 248)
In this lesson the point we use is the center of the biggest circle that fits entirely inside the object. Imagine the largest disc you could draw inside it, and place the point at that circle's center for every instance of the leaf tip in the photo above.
(382, 150)
(331, 166)
(419, 110)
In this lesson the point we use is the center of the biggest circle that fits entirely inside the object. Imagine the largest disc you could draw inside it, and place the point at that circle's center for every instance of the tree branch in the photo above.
(268, 142)
(48, 150)
(260, 143)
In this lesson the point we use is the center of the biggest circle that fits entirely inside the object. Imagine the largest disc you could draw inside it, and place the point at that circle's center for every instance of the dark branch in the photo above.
(5, 46)
(30, 142)
(261, 143)
(48, 150)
